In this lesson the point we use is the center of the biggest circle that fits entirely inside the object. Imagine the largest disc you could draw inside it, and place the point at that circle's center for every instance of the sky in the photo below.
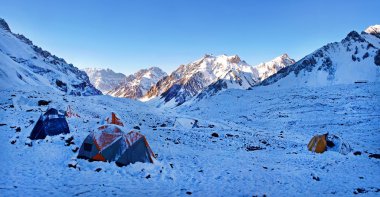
(128, 35)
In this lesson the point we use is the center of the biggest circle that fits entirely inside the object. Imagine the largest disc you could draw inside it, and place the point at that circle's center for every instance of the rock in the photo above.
(29, 142)
(148, 177)
(73, 164)
(188, 193)
(18, 129)
(357, 153)
(13, 141)
(43, 102)
(2, 124)
(211, 126)
(253, 148)
(376, 156)
(316, 178)
(69, 141)
(360, 190)
(215, 135)
(75, 149)
(136, 127)
(163, 125)
(98, 169)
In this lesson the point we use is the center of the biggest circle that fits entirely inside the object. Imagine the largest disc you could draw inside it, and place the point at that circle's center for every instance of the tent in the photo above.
(111, 143)
(113, 119)
(318, 143)
(328, 142)
(51, 123)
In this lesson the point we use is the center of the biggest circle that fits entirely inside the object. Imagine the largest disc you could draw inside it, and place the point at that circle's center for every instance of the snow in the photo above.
(374, 29)
(24, 63)
(104, 79)
(135, 86)
(190, 159)
(235, 143)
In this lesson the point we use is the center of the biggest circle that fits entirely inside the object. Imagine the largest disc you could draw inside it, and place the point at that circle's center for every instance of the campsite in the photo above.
(193, 159)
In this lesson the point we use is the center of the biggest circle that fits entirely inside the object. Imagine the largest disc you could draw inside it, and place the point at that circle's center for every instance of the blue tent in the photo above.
(51, 123)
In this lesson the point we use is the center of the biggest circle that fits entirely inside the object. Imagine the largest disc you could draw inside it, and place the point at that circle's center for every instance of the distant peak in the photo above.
(207, 55)
(353, 35)
(373, 30)
(284, 56)
(234, 59)
(4, 25)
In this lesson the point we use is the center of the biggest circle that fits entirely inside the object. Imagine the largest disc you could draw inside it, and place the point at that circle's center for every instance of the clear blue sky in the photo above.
(130, 35)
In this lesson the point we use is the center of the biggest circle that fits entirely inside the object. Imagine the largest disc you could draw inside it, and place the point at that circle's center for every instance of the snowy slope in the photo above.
(23, 63)
(136, 85)
(211, 73)
(279, 123)
(104, 79)
(355, 59)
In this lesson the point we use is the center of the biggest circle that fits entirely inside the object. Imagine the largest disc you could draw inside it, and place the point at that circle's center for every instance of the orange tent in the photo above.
(318, 144)
(111, 143)
(113, 119)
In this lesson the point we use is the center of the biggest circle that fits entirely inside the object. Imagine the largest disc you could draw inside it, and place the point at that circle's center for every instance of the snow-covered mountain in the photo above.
(263, 70)
(23, 63)
(136, 85)
(104, 79)
(355, 59)
(212, 74)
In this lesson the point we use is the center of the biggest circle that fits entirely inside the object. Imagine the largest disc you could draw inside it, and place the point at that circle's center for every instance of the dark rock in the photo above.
(98, 169)
(253, 148)
(11, 106)
(316, 178)
(163, 125)
(377, 58)
(148, 177)
(376, 156)
(360, 191)
(215, 135)
(188, 193)
(171, 165)
(72, 165)
(229, 135)
(357, 153)
(29, 143)
(69, 141)
(2, 124)
(75, 149)
(211, 126)
(136, 127)
(43, 102)
(13, 141)
(18, 129)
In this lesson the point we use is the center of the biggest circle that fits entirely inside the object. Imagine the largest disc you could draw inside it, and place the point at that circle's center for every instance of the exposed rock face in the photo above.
(210, 75)
(136, 85)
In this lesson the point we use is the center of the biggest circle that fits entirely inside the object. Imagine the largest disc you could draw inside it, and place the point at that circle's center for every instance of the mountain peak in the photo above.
(373, 30)
(4, 25)
(234, 59)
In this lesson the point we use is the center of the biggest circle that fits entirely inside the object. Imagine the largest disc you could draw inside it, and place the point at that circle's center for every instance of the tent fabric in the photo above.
(335, 143)
(111, 143)
(113, 119)
(317, 144)
(49, 124)
(328, 142)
